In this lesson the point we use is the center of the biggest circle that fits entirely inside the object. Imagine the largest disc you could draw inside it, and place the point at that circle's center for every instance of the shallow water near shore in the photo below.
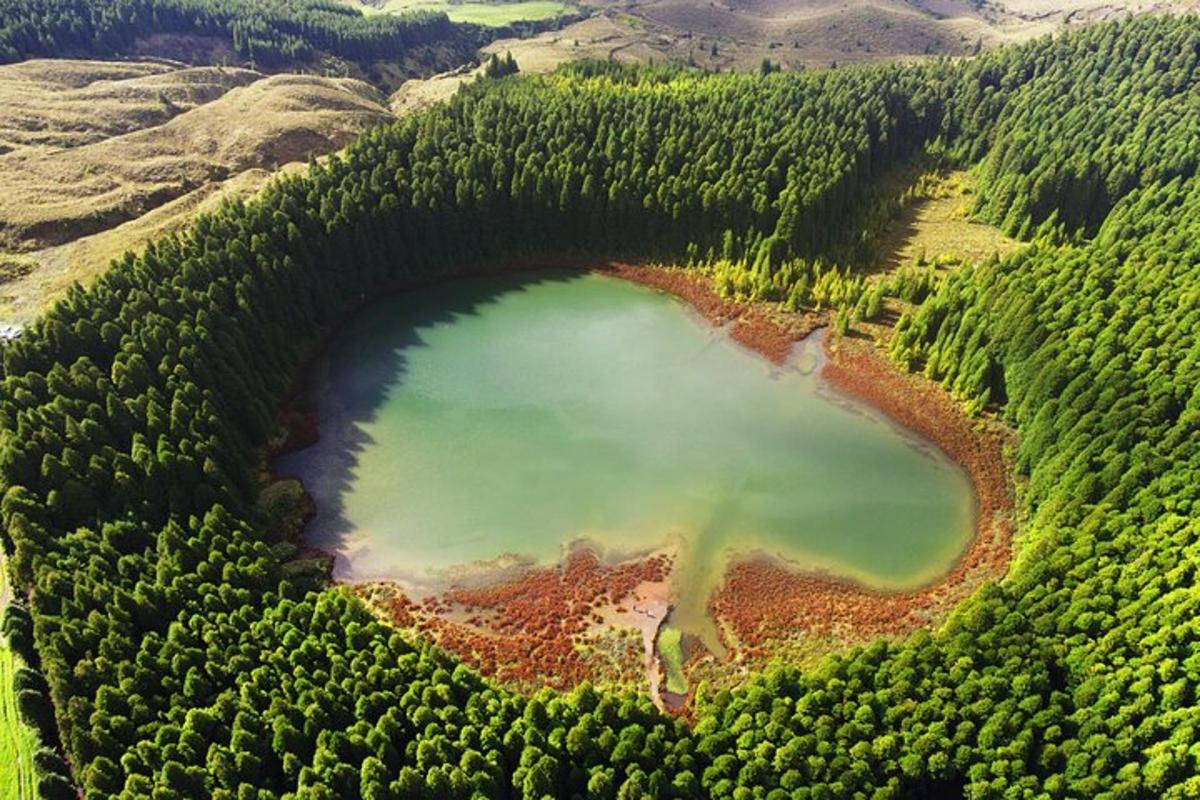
(513, 416)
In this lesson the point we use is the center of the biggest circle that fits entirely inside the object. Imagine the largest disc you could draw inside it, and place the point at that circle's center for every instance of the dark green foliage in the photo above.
(36, 712)
(184, 661)
(268, 31)
(281, 508)
(49, 762)
(55, 786)
(26, 678)
(498, 67)
(1085, 119)
(17, 629)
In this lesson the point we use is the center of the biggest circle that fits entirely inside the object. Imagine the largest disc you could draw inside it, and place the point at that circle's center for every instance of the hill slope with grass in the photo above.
(801, 34)
(93, 147)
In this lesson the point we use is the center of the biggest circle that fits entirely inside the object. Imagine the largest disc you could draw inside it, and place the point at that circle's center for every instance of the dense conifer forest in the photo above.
(269, 32)
(181, 658)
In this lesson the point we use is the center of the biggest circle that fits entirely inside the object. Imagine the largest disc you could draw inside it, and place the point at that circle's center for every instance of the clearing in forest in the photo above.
(492, 14)
(939, 224)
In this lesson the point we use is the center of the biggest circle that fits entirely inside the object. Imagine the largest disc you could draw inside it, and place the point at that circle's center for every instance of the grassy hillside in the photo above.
(55, 195)
(940, 223)
(497, 13)
(63, 104)
(18, 742)
(810, 33)
(92, 147)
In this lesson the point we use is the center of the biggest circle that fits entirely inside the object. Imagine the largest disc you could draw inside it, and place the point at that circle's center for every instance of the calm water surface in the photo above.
(515, 416)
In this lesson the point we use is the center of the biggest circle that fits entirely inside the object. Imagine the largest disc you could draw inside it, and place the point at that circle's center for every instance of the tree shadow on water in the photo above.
(349, 388)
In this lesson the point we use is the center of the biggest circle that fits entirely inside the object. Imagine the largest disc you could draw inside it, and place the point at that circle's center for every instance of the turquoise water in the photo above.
(515, 416)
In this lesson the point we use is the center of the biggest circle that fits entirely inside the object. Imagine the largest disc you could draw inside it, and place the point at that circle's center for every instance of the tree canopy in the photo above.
(270, 32)
(183, 661)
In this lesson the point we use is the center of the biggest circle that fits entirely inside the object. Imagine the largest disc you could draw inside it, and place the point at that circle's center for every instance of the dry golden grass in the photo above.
(599, 37)
(616, 36)
(104, 156)
(809, 33)
(940, 225)
(1081, 11)
(53, 196)
(813, 33)
(818, 32)
(725, 34)
(37, 279)
(60, 104)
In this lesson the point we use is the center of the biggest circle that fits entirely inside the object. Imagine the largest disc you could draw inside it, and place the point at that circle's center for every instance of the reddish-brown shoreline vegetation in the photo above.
(543, 626)
(759, 327)
(534, 628)
(762, 601)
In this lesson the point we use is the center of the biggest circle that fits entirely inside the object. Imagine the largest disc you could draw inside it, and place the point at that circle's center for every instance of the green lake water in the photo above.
(516, 416)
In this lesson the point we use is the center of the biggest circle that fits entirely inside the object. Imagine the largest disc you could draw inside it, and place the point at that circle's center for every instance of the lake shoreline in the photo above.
(756, 326)
(761, 601)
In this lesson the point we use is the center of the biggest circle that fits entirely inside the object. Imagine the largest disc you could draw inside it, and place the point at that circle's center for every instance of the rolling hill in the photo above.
(91, 147)
(740, 34)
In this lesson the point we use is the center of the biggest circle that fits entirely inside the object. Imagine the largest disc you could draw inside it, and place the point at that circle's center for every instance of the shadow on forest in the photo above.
(347, 400)
(891, 245)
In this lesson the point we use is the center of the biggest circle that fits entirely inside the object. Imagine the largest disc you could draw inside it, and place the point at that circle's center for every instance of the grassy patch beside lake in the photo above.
(670, 650)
